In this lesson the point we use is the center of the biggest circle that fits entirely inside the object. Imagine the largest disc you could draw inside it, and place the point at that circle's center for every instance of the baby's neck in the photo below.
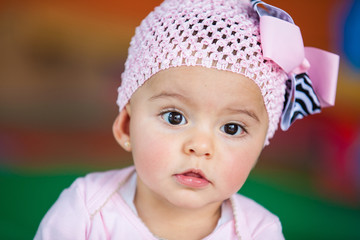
(167, 221)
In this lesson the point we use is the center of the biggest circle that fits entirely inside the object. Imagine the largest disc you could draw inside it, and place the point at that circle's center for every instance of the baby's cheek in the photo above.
(234, 179)
(151, 154)
(236, 173)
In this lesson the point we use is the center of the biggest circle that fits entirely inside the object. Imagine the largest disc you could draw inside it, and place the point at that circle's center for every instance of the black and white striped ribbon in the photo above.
(300, 100)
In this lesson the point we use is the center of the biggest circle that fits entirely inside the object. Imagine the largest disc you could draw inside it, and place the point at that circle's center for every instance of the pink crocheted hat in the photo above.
(221, 34)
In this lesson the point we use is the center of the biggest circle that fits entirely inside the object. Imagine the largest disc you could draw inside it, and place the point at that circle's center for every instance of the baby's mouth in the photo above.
(193, 178)
(193, 174)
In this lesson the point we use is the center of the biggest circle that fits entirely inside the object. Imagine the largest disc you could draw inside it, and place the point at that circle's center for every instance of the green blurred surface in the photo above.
(26, 196)
(304, 216)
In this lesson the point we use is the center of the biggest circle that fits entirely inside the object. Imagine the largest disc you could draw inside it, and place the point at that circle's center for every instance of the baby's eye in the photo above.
(232, 129)
(174, 118)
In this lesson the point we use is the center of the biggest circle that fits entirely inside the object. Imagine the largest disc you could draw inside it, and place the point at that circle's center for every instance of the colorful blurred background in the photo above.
(60, 66)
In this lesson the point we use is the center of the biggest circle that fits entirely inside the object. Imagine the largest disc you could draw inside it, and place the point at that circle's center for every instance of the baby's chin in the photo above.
(190, 200)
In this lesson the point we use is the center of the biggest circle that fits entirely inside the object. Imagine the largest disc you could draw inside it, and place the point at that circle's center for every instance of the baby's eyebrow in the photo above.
(243, 111)
(168, 95)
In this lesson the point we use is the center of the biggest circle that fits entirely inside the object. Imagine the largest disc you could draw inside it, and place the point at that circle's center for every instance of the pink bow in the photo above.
(282, 43)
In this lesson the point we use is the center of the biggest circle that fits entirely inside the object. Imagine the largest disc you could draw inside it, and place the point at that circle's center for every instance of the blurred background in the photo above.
(60, 66)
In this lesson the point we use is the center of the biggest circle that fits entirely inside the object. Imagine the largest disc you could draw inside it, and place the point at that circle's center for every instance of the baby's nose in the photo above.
(200, 145)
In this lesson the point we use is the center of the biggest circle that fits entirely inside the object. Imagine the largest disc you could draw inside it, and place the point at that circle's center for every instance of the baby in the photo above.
(201, 95)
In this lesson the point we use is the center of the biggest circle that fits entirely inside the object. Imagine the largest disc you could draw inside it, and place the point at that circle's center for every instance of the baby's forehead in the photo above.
(197, 81)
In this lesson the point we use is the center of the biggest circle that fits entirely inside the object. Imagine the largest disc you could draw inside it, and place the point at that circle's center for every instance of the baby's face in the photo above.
(195, 134)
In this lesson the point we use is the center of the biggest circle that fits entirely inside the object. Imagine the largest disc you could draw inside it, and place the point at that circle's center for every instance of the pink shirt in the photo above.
(92, 208)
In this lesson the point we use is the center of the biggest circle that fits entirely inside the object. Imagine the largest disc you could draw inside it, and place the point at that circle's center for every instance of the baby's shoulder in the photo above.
(254, 220)
(252, 210)
(108, 178)
(96, 187)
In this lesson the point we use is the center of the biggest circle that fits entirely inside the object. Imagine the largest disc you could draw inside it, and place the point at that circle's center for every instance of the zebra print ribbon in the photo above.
(282, 43)
(300, 100)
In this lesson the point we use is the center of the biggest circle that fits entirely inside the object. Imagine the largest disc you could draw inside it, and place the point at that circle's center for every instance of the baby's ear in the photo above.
(121, 128)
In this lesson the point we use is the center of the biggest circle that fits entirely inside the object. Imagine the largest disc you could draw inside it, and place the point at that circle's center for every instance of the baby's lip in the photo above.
(194, 173)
